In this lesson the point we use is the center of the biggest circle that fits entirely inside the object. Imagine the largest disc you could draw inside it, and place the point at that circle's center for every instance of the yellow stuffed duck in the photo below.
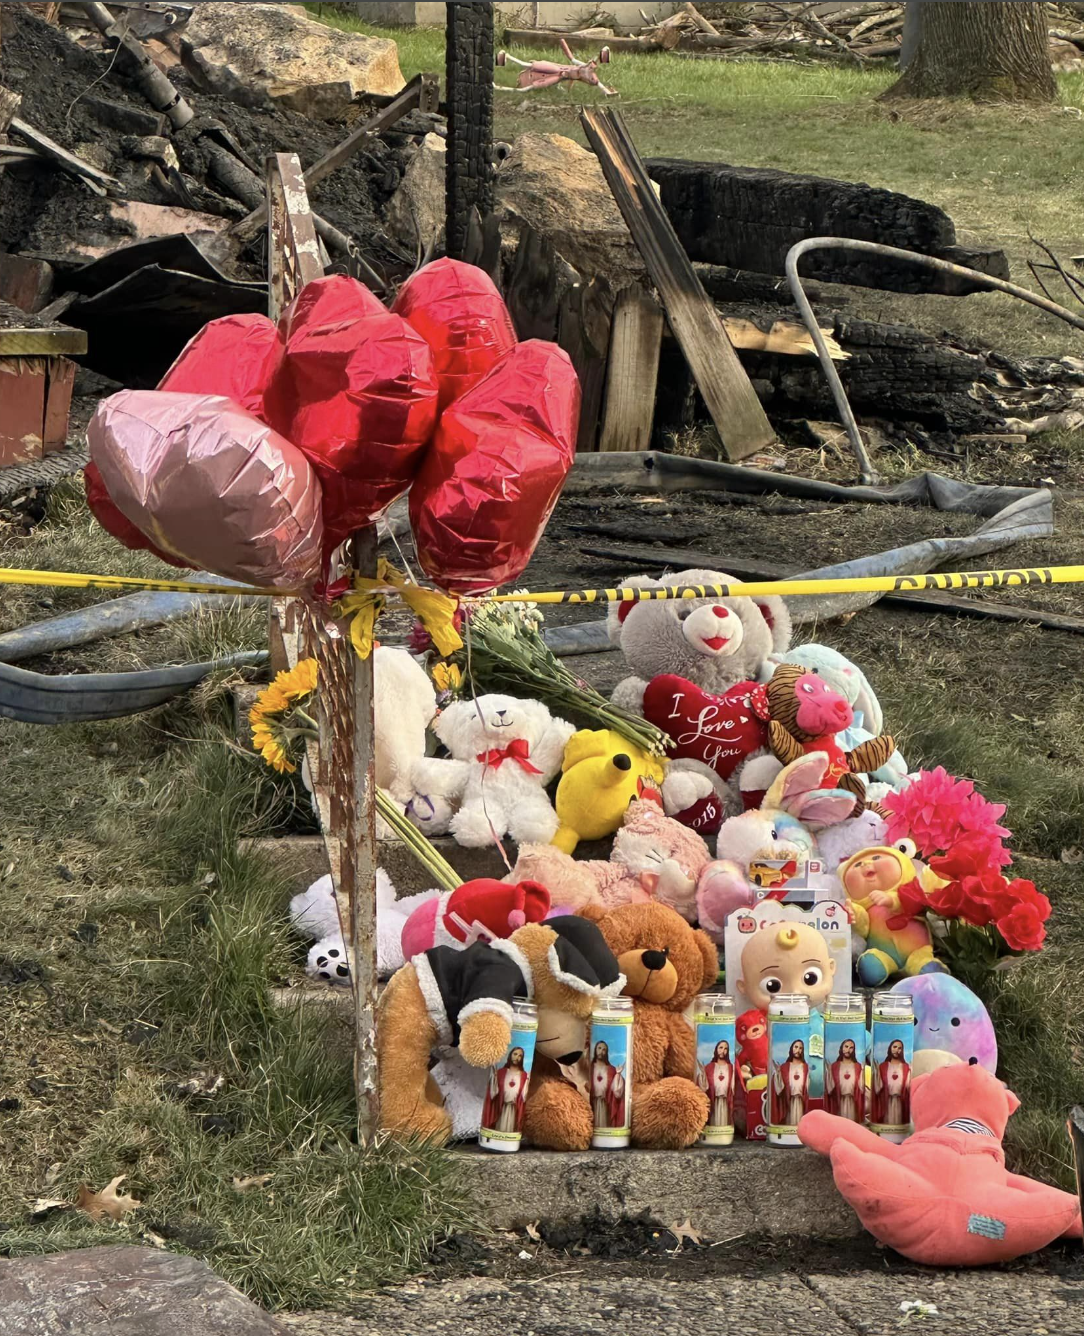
(602, 773)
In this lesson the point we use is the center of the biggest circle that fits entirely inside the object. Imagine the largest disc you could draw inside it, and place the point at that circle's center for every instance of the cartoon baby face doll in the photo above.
(786, 958)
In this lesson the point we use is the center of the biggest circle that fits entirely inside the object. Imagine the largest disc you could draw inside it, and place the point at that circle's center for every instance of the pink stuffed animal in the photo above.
(654, 857)
(782, 829)
(944, 1197)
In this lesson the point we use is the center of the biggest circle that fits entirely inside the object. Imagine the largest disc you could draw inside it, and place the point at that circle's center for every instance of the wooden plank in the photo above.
(9, 105)
(417, 92)
(58, 402)
(635, 345)
(739, 418)
(583, 331)
(26, 335)
(342, 763)
(468, 169)
(100, 182)
(363, 903)
(22, 408)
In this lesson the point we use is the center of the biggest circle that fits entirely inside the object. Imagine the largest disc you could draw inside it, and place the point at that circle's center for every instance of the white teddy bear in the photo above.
(506, 752)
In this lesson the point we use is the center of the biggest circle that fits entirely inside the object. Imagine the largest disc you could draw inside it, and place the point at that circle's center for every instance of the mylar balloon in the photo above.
(458, 311)
(114, 523)
(357, 394)
(495, 469)
(233, 356)
(203, 478)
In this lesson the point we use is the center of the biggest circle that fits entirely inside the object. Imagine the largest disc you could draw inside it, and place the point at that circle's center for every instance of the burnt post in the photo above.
(469, 76)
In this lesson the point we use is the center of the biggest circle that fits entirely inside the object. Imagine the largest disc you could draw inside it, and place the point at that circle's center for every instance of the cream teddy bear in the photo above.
(506, 751)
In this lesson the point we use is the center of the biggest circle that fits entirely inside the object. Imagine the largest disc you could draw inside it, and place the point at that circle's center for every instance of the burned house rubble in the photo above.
(132, 209)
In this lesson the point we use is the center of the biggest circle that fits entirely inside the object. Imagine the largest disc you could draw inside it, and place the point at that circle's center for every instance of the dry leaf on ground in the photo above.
(685, 1231)
(109, 1204)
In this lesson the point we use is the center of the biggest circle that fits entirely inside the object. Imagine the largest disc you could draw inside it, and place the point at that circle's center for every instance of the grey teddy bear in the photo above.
(714, 642)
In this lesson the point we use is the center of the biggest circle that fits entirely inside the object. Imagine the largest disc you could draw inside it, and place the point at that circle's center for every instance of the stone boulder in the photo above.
(415, 214)
(260, 54)
(557, 187)
(124, 1292)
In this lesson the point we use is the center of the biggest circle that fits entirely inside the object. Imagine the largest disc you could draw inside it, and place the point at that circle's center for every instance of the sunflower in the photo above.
(279, 716)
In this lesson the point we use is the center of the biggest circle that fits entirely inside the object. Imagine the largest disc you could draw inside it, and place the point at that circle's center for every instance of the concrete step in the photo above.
(747, 1188)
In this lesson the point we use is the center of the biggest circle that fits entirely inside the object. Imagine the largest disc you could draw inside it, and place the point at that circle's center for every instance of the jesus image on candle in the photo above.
(892, 1088)
(790, 1087)
(843, 1085)
(607, 1088)
(716, 1079)
(506, 1095)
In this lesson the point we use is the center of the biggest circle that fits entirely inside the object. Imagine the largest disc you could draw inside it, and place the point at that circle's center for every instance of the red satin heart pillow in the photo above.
(458, 311)
(495, 469)
(720, 730)
(357, 394)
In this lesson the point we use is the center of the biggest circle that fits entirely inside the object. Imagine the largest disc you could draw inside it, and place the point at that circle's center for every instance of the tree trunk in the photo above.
(989, 50)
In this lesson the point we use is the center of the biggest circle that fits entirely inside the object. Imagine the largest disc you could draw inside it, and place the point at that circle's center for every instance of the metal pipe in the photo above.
(157, 89)
(839, 394)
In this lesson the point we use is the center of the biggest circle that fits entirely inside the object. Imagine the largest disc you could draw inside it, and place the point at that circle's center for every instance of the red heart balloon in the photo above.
(116, 523)
(234, 356)
(720, 730)
(458, 311)
(495, 469)
(357, 394)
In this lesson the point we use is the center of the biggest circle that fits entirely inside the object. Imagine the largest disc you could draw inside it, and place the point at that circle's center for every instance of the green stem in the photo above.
(425, 852)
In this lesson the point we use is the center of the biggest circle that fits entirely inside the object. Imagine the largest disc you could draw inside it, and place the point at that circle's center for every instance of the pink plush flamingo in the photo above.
(547, 73)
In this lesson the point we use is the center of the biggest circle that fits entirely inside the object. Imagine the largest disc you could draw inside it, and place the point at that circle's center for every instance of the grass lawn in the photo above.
(140, 946)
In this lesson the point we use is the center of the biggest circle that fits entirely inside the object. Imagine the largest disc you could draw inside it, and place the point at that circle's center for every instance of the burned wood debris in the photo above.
(861, 35)
(129, 194)
(127, 218)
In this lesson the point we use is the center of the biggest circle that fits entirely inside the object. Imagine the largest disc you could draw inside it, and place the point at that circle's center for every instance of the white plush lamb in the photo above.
(510, 749)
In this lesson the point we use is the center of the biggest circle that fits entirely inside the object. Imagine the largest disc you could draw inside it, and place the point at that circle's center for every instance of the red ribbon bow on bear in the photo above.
(517, 751)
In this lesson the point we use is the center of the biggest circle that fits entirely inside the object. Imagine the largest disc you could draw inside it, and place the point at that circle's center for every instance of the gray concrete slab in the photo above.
(1016, 1303)
(748, 1188)
(571, 1302)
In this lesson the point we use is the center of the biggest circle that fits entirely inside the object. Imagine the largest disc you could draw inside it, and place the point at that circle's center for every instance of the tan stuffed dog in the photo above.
(463, 999)
(665, 964)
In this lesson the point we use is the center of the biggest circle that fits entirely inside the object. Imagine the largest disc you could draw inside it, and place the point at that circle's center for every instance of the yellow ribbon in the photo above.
(435, 611)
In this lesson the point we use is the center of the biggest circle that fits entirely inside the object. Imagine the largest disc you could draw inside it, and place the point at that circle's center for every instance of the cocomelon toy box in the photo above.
(776, 948)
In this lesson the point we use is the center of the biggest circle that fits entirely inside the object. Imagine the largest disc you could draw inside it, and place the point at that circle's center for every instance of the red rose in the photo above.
(948, 901)
(992, 893)
(1022, 928)
(1025, 893)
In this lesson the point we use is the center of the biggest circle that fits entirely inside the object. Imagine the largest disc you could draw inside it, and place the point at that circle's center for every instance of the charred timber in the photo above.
(749, 217)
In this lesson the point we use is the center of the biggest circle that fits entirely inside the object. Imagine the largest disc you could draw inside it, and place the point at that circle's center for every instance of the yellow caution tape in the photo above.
(440, 612)
(863, 584)
(76, 580)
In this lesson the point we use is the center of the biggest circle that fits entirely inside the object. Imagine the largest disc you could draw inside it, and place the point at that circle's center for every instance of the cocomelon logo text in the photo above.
(825, 916)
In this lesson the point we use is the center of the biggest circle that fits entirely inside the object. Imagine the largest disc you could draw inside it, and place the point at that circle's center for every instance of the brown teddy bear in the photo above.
(462, 999)
(665, 963)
